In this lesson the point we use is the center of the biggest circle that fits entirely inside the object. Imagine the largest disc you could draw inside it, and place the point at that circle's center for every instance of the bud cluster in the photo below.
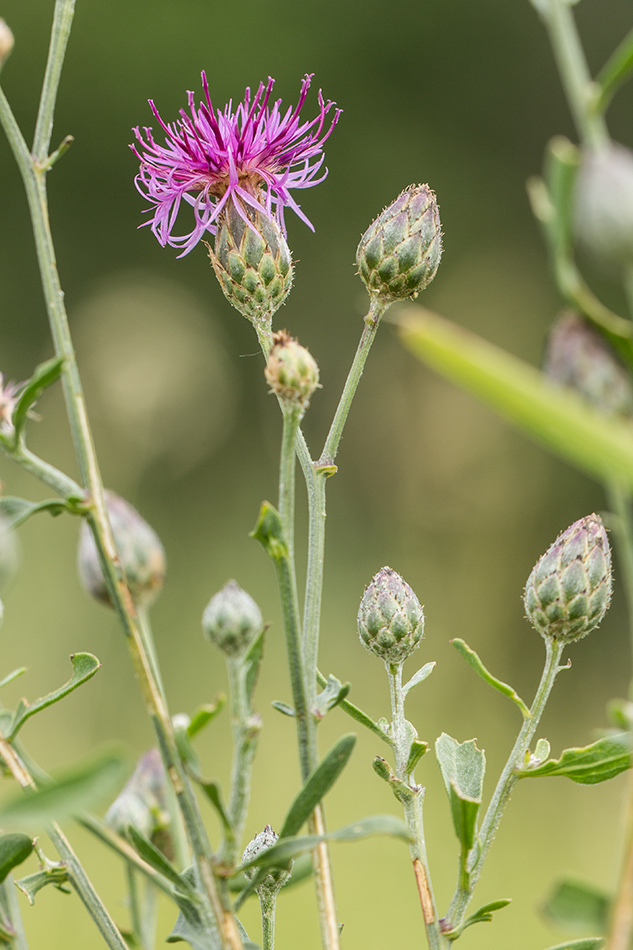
(400, 252)
(390, 618)
(569, 590)
(252, 263)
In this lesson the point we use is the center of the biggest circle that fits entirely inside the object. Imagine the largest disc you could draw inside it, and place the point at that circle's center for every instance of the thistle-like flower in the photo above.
(9, 395)
(390, 618)
(253, 158)
(568, 592)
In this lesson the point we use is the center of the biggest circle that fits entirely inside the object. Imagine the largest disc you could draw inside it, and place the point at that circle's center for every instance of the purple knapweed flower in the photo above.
(9, 396)
(253, 157)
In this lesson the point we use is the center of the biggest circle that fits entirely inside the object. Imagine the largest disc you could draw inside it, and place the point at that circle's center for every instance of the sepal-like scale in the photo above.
(390, 618)
(252, 263)
(400, 252)
(569, 590)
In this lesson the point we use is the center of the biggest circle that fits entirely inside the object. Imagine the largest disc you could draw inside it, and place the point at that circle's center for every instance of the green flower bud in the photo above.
(232, 620)
(580, 358)
(291, 371)
(276, 877)
(390, 618)
(252, 264)
(142, 804)
(6, 42)
(400, 252)
(140, 551)
(604, 205)
(568, 592)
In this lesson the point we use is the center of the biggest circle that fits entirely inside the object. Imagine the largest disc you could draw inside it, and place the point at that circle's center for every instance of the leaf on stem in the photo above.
(75, 791)
(481, 916)
(418, 677)
(53, 874)
(577, 905)
(13, 675)
(157, 860)
(359, 716)
(18, 510)
(269, 532)
(317, 785)
(85, 665)
(44, 376)
(585, 943)
(615, 72)
(417, 750)
(213, 793)
(333, 694)
(462, 766)
(473, 660)
(590, 764)
(252, 662)
(14, 849)
(204, 715)
(558, 418)
(283, 708)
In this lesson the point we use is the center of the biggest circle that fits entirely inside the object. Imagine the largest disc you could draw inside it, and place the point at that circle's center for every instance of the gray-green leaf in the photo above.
(14, 849)
(462, 766)
(85, 665)
(317, 785)
(579, 906)
(594, 763)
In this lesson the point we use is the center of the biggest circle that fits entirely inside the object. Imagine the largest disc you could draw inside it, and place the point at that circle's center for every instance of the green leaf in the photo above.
(44, 376)
(204, 715)
(283, 708)
(586, 943)
(614, 73)
(14, 849)
(18, 510)
(589, 765)
(317, 785)
(13, 675)
(190, 929)
(579, 906)
(333, 693)
(157, 860)
(85, 665)
(462, 766)
(558, 418)
(54, 874)
(418, 677)
(481, 916)
(72, 792)
(269, 532)
(358, 715)
(252, 662)
(473, 660)
(417, 750)
(213, 793)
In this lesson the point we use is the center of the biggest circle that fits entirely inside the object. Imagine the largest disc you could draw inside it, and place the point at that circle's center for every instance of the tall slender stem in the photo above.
(508, 777)
(574, 72)
(8, 899)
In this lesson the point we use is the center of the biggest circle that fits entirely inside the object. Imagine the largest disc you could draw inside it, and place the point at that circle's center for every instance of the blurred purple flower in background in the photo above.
(252, 157)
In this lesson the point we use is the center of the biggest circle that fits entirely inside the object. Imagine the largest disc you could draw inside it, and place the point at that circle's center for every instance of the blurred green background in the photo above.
(462, 94)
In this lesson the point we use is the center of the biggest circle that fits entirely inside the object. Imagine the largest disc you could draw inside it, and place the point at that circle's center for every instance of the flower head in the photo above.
(9, 396)
(252, 157)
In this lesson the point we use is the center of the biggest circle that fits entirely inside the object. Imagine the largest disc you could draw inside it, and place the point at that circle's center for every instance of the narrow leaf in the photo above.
(579, 906)
(55, 875)
(253, 662)
(204, 715)
(417, 750)
(156, 859)
(558, 418)
(317, 785)
(283, 708)
(13, 675)
(44, 376)
(357, 714)
(85, 665)
(473, 660)
(14, 849)
(594, 763)
(419, 677)
(269, 532)
(481, 916)
(212, 791)
(615, 72)
(18, 510)
(77, 790)
(586, 943)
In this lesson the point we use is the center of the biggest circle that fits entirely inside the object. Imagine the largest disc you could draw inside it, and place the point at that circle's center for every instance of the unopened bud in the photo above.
(252, 264)
(232, 620)
(6, 42)
(568, 592)
(276, 877)
(140, 551)
(400, 252)
(291, 371)
(142, 803)
(390, 618)
(604, 205)
(580, 358)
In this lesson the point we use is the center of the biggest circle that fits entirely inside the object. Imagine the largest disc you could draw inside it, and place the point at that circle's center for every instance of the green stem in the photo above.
(134, 902)
(619, 503)
(508, 778)
(9, 901)
(215, 904)
(246, 729)
(574, 72)
(268, 905)
(291, 419)
(412, 803)
(62, 22)
(46, 473)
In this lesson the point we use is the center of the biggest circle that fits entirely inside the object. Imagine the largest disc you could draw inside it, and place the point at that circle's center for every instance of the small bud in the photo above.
(604, 205)
(232, 620)
(390, 618)
(400, 252)
(139, 548)
(252, 264)
(568, 592)
(142, 803)
(291, 371)
(276, 877)
(6, 42)
(580, 358)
